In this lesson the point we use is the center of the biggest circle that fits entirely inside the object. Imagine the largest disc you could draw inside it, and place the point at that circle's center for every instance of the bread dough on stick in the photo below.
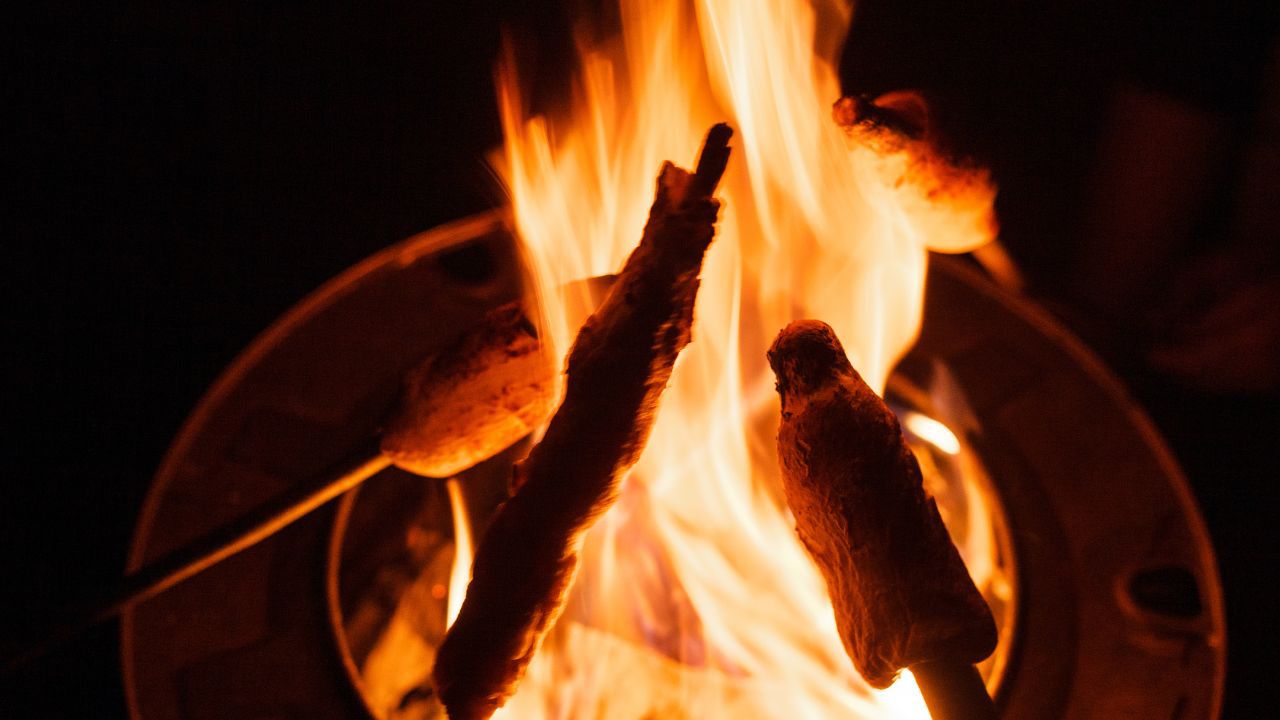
(617, 368)
(901, 593)
(475, 399)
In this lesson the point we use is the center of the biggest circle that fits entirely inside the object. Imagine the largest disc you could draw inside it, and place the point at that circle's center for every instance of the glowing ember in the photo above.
(695, 598)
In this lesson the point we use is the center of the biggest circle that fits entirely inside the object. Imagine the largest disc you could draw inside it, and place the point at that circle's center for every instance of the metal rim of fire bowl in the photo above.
(1119, 604)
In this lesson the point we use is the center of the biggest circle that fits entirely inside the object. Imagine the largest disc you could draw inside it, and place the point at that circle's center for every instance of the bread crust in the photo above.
(464, 405)
(618, 366)
(899, 588)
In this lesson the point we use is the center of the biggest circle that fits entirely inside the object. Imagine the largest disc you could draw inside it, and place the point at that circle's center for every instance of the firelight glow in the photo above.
(695, 598)
(932, 431)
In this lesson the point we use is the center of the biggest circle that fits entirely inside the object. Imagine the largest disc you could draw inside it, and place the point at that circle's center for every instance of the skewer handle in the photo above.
(196, 557)
(954, 691)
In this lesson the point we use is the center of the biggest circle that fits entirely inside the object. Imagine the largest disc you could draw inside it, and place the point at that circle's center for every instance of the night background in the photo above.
(181, 175)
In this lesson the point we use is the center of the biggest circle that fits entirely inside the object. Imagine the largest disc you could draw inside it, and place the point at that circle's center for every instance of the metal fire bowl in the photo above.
(1119, 604)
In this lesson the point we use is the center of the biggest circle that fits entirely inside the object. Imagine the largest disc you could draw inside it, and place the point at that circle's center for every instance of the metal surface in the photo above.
(248, 639)
(1119, 606)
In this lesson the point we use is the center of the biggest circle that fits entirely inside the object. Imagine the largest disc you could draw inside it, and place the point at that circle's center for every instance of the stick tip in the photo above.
(719, 135)
(713, 159)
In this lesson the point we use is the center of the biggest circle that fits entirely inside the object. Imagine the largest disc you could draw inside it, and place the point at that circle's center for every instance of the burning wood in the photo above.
(463, 405)
(617, 369)
(902, 595)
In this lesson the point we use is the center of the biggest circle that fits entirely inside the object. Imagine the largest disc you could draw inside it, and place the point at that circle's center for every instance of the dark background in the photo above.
(184, 173)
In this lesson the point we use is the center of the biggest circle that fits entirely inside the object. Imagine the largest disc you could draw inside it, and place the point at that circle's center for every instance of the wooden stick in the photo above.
(196, 557)
(953, 691)
(457, 408)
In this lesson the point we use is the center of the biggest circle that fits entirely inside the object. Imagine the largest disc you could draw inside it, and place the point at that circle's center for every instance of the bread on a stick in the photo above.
(900, 590)
(470, 402)
(618, 367)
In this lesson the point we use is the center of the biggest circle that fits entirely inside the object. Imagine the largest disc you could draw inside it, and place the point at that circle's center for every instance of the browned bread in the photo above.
(901, 592)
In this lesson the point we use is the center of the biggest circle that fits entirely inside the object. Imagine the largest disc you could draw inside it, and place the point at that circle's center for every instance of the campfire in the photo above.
(681, 538)
(692, 591)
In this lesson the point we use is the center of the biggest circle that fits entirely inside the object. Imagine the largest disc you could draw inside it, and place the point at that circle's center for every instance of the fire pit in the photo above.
(672, 583)
(1112, 606)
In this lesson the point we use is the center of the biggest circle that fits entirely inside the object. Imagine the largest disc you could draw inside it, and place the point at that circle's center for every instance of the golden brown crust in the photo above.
(618, 367)
(900, 590)
(466, 404)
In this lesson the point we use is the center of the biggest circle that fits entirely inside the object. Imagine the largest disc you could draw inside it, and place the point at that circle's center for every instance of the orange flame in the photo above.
(695, 598)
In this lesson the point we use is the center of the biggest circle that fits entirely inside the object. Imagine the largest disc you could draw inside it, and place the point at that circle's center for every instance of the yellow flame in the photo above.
(931, 431)
(460, 571)
(695, 598)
